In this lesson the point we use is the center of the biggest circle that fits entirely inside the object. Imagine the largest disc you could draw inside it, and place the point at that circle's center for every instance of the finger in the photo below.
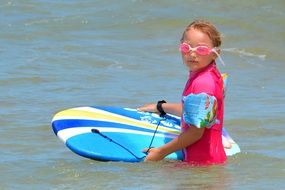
(146, 159)
(140, 109)
(146, 150)
(143, 108)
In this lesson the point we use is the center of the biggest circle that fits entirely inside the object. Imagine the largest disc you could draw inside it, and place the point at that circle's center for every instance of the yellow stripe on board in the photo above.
(76, 113)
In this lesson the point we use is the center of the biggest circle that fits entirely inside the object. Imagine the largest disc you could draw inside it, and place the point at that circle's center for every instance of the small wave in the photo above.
(21, 80)
(244, 53)
(115, 65)
(8, 4)
(43, 21)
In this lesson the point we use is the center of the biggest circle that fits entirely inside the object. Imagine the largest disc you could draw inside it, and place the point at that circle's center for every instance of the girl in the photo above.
(199, 48)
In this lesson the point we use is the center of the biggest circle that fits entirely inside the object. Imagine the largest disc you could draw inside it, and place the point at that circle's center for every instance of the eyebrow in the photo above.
(199, 44)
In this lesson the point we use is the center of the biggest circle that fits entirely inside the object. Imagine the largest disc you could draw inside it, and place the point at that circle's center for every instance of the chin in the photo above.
(191, 67)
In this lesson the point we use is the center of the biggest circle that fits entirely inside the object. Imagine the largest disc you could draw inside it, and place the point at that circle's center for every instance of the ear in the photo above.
(218, 51)
(215, 55)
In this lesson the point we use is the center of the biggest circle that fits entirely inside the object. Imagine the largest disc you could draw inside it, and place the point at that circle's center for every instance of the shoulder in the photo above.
(204, 82)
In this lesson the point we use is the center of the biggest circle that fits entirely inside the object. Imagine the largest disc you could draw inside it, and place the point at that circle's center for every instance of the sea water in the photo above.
(56, 55)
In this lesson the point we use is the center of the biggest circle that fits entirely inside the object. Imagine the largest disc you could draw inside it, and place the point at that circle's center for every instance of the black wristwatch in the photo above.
(160, 109)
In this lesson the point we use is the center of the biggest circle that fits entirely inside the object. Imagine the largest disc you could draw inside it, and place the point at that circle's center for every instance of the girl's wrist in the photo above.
(160, 109)
(163, 151)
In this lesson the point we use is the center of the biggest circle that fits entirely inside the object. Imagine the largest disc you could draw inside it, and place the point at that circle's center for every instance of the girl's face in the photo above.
(192, 60)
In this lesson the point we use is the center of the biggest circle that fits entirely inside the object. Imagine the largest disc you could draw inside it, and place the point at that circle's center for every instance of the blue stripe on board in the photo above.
(134, 114)
(71, 123)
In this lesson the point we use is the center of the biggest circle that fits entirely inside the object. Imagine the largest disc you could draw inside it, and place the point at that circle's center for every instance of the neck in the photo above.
(204, 68)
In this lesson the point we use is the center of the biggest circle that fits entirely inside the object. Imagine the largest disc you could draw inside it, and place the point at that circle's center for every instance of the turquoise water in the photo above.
(60, 54)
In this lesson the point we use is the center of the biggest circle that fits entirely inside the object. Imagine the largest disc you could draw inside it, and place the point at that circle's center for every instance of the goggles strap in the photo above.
(220, 58)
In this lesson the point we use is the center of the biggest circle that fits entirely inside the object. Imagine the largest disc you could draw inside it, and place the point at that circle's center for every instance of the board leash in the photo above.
(154, 133)
(96, 131)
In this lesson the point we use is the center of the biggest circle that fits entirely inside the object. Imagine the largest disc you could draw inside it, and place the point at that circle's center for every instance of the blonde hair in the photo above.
(207, 28)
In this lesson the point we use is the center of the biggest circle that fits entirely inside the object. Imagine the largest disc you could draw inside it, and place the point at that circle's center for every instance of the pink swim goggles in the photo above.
(200, 50)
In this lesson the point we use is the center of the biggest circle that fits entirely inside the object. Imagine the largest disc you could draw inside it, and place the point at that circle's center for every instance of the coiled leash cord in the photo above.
(96, 131)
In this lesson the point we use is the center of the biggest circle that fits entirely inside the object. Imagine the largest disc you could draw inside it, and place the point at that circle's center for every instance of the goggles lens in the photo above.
(200, 50)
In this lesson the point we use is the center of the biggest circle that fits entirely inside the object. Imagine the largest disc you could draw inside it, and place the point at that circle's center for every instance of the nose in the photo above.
(192, 54)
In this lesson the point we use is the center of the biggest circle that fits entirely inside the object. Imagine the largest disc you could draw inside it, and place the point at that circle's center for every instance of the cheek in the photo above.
(209, 57)
(213, 56)
(183, 56)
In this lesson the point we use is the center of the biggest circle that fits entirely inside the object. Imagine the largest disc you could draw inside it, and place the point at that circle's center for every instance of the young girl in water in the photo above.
(202, 145)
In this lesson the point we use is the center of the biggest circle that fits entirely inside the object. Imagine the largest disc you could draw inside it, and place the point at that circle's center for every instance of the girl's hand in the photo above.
(148, 108)
(154, 154)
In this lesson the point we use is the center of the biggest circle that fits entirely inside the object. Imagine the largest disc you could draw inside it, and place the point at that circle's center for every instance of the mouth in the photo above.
(192, 62)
